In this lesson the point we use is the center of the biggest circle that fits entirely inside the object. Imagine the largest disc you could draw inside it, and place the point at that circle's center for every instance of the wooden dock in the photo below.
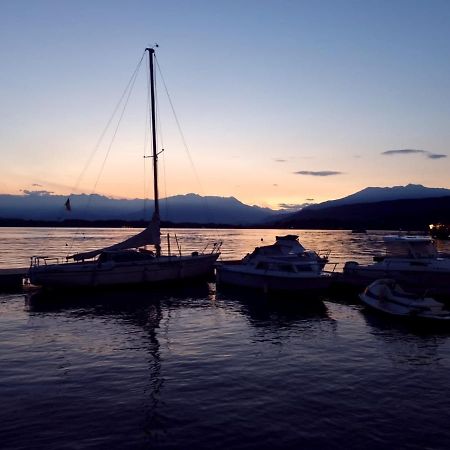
(12, 278)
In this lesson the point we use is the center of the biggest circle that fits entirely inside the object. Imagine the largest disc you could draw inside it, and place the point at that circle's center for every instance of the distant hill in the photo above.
(190, 208)
(407, 207)
(380, 194)
(409, 214)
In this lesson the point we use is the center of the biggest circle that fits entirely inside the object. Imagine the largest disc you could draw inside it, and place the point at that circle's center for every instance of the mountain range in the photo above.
(373, 207)
(407, 214)
(178, 209)
(411, 207)
(380, 194)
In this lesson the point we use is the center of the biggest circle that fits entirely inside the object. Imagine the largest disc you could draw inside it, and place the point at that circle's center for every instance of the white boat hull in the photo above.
(112, 273)
(418, 277)
(272, 282)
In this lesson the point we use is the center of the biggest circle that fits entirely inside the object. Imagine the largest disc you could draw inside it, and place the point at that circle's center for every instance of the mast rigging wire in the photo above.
(108, 123)
(125, 95)
(183, 139)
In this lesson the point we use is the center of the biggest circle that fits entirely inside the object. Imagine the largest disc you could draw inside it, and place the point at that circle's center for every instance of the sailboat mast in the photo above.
(151, 53)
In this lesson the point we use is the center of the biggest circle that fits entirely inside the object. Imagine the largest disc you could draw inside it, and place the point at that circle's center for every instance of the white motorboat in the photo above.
(127, 262)
(285, 266)
(387, 296)
(412, 261)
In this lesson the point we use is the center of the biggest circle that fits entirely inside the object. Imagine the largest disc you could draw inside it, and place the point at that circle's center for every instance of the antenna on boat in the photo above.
(151, 55)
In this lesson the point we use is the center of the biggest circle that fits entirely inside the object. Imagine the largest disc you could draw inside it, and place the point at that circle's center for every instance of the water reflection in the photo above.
(144, 309)
(114, 300)
(344, 296)
(195, 368)
(408, 342)
(276, 316)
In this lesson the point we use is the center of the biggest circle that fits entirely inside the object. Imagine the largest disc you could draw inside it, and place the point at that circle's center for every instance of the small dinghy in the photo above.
(387, 296)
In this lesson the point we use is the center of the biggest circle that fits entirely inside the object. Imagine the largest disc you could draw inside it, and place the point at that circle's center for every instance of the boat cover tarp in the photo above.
(284, 245)
(149, 236)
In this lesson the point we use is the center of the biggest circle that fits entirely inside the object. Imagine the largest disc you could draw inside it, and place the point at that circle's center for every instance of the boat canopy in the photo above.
(410, 247)
(149, 236)
(284, 245)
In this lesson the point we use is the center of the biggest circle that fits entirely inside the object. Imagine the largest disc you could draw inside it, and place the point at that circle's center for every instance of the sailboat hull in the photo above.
(93, 274)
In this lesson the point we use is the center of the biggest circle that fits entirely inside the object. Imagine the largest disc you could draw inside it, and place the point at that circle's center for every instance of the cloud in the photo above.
(280, 160)
(309, 199)
(275, 184)
(411, 151)
(38, 193)
(319, 173)
(403, 151)
(291, 207)
(37, 185)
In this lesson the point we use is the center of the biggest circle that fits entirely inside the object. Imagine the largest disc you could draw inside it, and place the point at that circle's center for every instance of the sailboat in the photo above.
(127, 262)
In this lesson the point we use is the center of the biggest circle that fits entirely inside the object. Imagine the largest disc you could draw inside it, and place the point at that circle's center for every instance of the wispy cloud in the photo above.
(309, 199)
(319, 173)
(403, 151)
(280, 160)
(37, 185)
(37, 193)
(411, 151)
(291, 207)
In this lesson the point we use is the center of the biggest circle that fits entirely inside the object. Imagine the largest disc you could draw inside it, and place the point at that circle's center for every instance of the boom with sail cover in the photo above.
(149, 236)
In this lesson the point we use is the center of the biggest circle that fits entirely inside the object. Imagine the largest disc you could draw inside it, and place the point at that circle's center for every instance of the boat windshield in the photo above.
(411, 249)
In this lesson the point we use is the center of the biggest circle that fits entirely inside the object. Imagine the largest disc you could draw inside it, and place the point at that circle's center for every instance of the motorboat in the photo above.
(285, 266)
(412, 261)
(387, 296)
(128, 262)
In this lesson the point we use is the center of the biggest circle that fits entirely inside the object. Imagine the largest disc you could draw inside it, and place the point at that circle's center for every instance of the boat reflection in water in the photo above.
(121, 355)
(121, 299)
(274, 310)
(407, 343)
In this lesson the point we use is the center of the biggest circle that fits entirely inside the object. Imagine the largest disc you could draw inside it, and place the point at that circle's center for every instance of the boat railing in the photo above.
(334, 264)
(215, 248)
(325, 253)
(39, 260)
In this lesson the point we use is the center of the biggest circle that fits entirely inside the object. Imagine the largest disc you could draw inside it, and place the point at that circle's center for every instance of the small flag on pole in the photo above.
(67, 205)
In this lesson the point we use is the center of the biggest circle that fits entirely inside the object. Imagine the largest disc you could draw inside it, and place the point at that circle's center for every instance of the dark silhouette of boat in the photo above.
(440, 231)
(127, 262)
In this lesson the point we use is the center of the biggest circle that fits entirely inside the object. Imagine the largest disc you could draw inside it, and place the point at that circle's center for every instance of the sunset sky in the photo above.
(280, 102)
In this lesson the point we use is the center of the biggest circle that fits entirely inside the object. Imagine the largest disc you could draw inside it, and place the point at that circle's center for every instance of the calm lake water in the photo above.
(197, 368)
